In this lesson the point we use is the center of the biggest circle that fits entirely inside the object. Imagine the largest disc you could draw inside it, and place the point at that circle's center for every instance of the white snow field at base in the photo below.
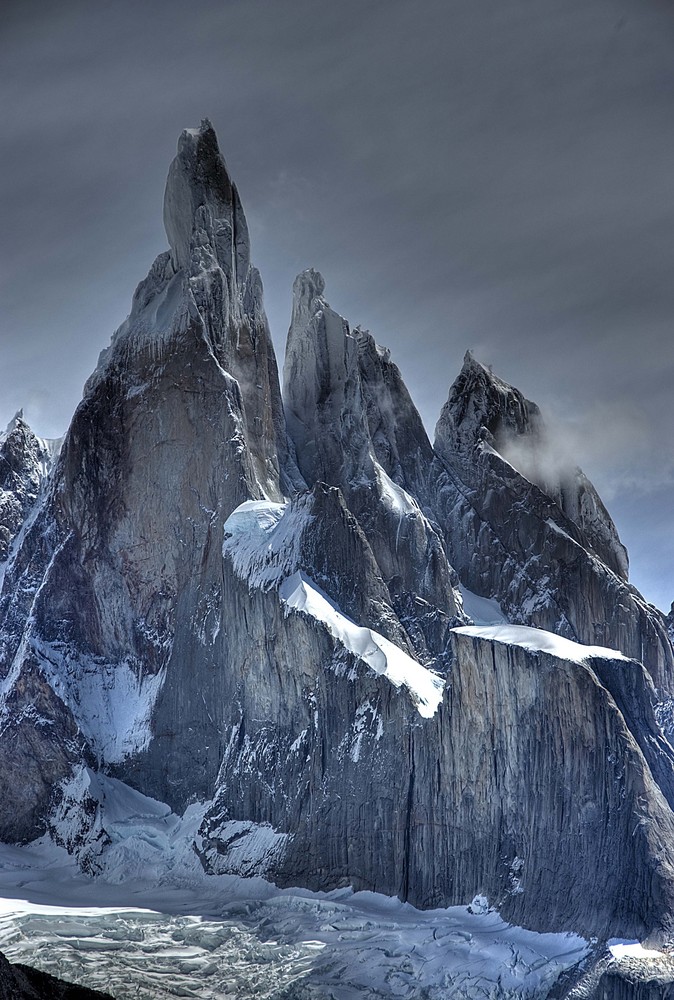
(177, 932)
(384, 657)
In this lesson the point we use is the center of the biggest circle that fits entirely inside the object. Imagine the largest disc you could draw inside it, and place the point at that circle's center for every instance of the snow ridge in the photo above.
(537, 640)
(263, 540)
(426, 688)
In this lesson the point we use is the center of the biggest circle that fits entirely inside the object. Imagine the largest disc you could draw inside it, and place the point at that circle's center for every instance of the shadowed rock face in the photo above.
(20, 982)
(354, 426)
(619, 985)
(544, 547)
(125, 553)
(483, 412)
(437, 809)
(210, 610)
(581, 791)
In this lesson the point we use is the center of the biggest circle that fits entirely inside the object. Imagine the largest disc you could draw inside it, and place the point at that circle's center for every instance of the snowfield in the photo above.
(153, 925)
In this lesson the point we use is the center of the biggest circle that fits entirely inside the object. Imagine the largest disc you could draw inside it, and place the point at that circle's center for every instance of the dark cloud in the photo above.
(466, 173)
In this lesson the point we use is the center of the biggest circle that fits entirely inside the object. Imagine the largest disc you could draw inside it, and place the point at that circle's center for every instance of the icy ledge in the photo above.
(537, 640)
(263, 542)
(381, 655)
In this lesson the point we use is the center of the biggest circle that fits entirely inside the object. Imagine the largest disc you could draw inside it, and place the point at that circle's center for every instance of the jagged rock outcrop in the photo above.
(537, 540)
(210, 611)
(25, 462)
(484, 411)
(354, 426)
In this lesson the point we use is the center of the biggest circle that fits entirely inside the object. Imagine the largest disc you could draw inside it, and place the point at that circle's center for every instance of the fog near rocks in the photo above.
(488, 176)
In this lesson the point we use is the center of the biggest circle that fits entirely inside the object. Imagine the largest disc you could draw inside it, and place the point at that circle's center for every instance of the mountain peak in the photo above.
(308, 289)
(482, 406)
(200, 201)
(17, 419)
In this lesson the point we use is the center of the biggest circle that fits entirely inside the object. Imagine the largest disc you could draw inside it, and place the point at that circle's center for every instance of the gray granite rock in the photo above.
(354, 426)
(25, 463)
(545, 548)
(180, 422)
(435, 810)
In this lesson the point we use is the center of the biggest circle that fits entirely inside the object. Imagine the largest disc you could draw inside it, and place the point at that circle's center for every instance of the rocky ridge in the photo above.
(210, 603)
(541, 544)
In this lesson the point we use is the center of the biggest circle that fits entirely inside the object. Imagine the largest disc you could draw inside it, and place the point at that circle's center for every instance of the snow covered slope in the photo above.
(153, 925)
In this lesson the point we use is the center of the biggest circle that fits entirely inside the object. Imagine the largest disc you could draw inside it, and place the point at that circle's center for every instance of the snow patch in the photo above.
(112, 702)
(262, 539)
(483, 610)
(395, 497)
(622, 948)
(426, 688)
(362, 725)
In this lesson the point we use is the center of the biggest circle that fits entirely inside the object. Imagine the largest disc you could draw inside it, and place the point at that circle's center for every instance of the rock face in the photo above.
(399, 777)
(211, 606)
(124, 557)
(623, 985)
(20, 982)
(25, 462)
(537, 540)
(354, 426)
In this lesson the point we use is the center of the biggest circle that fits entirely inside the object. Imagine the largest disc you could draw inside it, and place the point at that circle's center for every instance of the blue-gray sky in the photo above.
(487, 174)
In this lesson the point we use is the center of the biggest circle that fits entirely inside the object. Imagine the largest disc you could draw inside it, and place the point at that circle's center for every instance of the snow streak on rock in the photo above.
(425, 688)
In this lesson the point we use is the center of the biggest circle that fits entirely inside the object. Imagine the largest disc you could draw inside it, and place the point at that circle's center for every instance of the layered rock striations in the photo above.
(212, 607)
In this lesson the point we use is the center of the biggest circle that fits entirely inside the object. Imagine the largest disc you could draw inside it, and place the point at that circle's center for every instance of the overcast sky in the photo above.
(487, 174)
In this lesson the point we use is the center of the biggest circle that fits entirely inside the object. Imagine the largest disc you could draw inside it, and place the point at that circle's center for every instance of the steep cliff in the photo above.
(25, 463)
(354, 426)
(363, 788)
(181, 421)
